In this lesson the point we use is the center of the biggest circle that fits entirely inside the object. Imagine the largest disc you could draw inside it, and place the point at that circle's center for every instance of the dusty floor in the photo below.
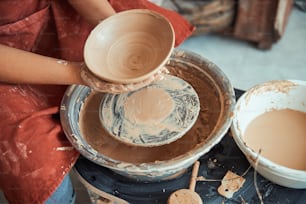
(245, 65)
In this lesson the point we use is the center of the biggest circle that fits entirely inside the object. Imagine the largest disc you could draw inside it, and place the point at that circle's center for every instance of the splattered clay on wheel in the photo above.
(157, 114)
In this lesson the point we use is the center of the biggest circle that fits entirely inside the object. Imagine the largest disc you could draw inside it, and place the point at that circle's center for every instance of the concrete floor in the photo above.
(244, 64)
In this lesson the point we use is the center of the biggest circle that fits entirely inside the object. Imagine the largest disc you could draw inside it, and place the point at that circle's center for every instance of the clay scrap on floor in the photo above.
(230, 184)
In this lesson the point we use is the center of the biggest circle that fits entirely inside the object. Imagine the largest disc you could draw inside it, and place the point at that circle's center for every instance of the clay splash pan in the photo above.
(81, 123)
(157, 114)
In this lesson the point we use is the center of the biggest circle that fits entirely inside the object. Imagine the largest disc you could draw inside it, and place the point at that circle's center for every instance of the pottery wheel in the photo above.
(157, 114)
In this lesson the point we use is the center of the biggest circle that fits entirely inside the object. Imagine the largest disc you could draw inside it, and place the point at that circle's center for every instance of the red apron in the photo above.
(34, 153)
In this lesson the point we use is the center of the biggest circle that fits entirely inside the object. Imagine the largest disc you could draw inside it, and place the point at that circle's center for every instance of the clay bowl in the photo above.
(269, 96)
(129, 46)
(217, 101)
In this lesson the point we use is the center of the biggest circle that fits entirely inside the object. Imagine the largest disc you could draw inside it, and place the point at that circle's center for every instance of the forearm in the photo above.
(93, 11)
(18, 66)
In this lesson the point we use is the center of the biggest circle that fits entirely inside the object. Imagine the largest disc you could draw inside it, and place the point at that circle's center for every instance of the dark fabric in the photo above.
(35, 154)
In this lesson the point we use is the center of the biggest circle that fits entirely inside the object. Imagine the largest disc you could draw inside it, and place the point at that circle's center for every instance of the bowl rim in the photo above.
(248, 151)
(121, 14)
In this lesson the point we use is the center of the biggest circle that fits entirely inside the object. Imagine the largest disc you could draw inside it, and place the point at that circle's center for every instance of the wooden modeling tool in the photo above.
(187, 196)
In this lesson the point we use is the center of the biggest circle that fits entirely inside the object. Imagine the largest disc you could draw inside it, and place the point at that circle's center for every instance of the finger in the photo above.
(164, 70)
(159, 77)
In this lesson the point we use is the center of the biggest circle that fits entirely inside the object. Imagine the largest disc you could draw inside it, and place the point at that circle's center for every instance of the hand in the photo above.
(100, 85)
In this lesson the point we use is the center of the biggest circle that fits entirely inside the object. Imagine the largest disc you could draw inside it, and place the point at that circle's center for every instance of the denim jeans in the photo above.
(64, 194)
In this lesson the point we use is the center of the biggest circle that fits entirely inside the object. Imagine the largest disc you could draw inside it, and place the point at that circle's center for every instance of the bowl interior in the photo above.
(129, 46)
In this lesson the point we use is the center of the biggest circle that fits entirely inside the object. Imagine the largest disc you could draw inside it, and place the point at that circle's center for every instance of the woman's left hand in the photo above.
(100, 85)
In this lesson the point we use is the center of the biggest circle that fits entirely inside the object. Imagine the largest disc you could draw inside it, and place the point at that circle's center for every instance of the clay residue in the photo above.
(151, 116)
(210, 110)
(141, 109)
(279, 86)
(230, 184)
(271, 86)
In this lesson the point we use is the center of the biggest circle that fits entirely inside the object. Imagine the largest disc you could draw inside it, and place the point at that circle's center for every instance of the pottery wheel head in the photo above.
(157, 114)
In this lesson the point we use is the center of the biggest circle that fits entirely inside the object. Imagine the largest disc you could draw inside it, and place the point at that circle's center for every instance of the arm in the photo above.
(22, 67)
(18, 66)
(93, 11)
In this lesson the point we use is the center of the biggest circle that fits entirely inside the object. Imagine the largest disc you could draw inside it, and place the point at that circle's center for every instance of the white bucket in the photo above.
(273, 95)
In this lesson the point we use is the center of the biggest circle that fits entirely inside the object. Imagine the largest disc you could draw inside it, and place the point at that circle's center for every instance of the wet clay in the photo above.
(155, 115)
(141, 109)
(281, 136)
(210, 110)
